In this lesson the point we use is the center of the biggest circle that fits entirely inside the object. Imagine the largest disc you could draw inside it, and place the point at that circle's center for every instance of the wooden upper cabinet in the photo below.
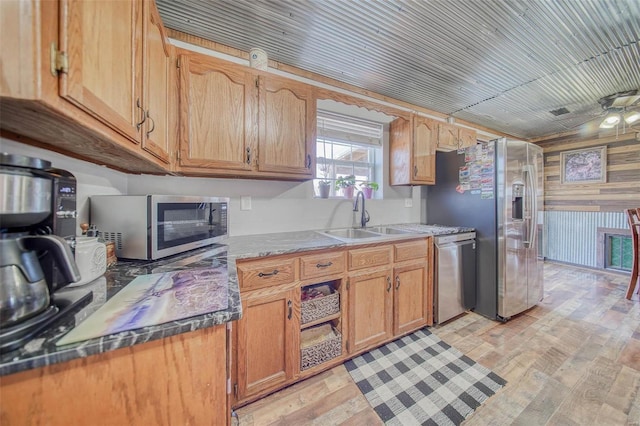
(452, 137)
(413, 151)
(447, 137)
(400, 151)
(217, 114)
(238, 121)
(287, 127)
(103, 43)
(424, 150)
(158, 73)
(466, 137)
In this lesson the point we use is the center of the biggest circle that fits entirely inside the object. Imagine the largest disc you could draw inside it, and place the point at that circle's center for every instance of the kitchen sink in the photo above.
(368, 235)
(387, 230)
(351, 233)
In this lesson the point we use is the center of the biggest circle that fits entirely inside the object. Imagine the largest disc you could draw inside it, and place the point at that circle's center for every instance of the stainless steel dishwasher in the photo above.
(455, 280)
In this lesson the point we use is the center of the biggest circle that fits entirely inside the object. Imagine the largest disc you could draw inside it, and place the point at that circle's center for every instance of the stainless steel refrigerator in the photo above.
(496, 188)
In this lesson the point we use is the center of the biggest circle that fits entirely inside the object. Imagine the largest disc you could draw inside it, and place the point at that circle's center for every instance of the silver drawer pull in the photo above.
(268, 274)
(323, 265)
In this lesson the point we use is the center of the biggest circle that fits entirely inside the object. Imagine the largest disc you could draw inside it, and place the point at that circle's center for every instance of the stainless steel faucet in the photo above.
(364, 216)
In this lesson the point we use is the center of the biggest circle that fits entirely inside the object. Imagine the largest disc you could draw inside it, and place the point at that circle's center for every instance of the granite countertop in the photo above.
(42, 350)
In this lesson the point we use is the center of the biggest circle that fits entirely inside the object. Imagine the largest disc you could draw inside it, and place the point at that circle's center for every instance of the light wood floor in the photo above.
(572, 360)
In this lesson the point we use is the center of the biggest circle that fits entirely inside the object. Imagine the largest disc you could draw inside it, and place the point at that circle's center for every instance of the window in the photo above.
(347, 146)
(619, 252)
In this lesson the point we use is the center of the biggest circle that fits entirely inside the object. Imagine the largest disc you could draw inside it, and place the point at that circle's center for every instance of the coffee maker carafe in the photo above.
(25, 202)
(23, 287)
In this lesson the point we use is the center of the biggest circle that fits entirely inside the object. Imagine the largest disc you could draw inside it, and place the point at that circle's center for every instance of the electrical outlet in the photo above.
(245, 203)
(408, 202)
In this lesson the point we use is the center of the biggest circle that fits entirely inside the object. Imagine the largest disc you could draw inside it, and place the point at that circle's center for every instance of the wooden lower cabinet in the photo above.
(391, 301)
(267, 340)
(384, 292)
(370, 309)
(410, 301)
(177, 380)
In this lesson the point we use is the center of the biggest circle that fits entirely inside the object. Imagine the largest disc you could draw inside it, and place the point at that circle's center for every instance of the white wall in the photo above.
(276, 206)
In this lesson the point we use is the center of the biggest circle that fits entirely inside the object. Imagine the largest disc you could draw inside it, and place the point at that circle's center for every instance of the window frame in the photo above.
(352, 141)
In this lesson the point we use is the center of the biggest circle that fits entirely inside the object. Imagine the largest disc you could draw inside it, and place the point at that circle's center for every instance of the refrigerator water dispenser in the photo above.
(517, 197)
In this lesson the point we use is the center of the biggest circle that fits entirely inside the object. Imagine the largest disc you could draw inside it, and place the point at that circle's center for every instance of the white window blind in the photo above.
(341, 128)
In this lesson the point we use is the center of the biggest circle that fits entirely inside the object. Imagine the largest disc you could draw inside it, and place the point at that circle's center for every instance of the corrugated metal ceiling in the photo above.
(503, 64)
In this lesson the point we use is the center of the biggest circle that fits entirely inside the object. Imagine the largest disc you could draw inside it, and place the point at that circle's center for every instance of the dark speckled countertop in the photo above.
(41, 350)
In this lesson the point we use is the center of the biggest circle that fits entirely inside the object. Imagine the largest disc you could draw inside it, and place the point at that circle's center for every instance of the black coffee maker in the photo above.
(61, 221)
(27, 298)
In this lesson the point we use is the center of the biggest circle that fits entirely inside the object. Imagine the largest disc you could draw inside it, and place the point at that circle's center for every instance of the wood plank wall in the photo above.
(622, 188)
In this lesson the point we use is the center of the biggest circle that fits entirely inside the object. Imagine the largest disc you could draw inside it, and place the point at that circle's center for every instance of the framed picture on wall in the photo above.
(587, 165)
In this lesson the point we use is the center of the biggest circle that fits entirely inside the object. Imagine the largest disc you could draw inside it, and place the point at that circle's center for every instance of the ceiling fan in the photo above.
(622, 107)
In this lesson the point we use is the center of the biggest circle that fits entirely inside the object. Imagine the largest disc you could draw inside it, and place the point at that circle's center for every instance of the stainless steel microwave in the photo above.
(156, 226)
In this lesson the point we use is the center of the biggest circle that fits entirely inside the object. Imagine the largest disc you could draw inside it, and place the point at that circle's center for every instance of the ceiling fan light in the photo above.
(631, 117)
(610, 121)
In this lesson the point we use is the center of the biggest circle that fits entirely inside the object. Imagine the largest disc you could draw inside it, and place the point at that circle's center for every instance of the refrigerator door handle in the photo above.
(532, 207)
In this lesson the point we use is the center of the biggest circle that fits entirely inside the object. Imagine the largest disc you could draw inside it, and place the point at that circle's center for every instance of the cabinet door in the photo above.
(370, 307)
(217, 114)
(103, 42)
(447, 136)
(287, 126)
(411, 307)
(268, 348)
(157, 85)
(400, 147)
(424, 150)
(467, 137)
(179, 380)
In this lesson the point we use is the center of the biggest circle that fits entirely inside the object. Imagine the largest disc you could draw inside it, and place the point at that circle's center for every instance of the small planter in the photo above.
(347, 184)
(348, 192)
(368, 187)
(323, 189)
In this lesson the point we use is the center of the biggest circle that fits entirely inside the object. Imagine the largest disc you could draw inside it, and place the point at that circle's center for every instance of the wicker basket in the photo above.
(321, 352)
(320, 307)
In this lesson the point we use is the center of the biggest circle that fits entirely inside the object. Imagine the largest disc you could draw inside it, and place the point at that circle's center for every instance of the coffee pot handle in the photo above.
(60, 251)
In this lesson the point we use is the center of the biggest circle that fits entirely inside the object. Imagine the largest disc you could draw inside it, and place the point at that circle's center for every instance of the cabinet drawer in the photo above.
(369, 257)
(320, 265)
(410, 250)
(259, 274)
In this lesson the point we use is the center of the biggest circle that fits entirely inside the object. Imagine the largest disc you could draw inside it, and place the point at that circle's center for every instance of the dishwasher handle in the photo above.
(456, 244)
(452, 238)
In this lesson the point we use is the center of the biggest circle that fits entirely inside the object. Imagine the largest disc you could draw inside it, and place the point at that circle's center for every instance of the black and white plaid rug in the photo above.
(420, 380)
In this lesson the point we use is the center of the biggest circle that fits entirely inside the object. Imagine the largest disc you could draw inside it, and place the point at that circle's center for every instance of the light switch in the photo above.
(245, 203)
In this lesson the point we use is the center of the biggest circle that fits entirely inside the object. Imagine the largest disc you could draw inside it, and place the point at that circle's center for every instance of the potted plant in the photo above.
(346, 183)
(324, 187)
(324, 184)
(368, 188)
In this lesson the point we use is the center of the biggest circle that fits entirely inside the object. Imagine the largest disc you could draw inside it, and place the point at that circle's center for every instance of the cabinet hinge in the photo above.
(59, 61)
